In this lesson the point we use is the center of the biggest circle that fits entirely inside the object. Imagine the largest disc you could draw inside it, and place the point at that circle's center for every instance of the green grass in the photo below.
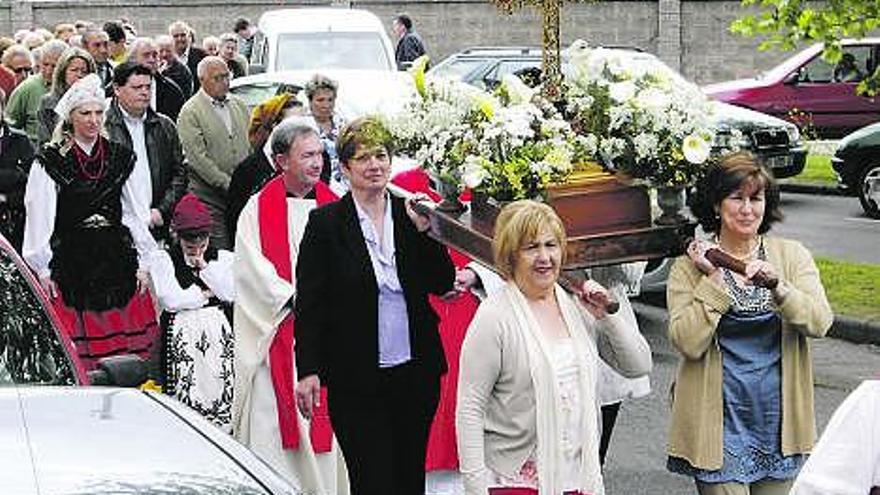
(817, 170)
(852, 288)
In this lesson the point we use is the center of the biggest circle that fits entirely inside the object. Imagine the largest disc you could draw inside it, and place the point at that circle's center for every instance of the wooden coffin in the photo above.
(588, 203)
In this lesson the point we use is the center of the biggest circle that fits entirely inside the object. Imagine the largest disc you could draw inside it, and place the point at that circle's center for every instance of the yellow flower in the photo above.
(419, 66)
(485, 104)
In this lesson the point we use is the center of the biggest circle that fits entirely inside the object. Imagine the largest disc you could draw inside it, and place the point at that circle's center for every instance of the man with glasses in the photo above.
(213, 130)
(24, 103)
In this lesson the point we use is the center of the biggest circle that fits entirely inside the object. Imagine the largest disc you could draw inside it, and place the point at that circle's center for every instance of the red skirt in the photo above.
(129, 330)
(455, 317)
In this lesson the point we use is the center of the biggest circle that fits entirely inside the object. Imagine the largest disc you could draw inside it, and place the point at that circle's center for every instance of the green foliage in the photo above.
(785, 24)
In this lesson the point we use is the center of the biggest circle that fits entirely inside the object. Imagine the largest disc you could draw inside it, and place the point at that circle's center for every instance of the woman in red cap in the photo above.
(194, 287)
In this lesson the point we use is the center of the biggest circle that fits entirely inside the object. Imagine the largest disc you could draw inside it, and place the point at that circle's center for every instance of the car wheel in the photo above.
(869, 190)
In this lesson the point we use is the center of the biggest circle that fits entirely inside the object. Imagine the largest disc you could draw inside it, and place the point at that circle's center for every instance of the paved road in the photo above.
(636, 463)
(833, 226)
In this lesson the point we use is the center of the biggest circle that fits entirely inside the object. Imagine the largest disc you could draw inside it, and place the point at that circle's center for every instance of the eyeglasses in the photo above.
(221, 77)
(23, 70)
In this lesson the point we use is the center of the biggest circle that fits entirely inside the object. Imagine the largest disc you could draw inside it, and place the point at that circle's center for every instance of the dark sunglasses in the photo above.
(22, 70)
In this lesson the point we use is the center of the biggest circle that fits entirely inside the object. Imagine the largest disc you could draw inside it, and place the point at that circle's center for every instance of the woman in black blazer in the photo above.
(364, 327)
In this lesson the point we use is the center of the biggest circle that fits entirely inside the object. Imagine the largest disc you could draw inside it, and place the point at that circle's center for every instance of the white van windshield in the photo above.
(331, 50)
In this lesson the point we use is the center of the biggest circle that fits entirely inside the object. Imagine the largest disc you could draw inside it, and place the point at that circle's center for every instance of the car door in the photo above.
(820, 90)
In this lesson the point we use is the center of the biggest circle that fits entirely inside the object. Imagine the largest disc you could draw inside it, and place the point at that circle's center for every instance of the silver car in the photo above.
(58, 437)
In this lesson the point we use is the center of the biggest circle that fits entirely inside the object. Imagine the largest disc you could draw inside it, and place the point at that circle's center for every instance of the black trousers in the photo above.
(609, 417)
(384, 433)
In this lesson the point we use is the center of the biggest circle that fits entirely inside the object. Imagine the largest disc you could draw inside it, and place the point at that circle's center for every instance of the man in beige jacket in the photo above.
(213, 131)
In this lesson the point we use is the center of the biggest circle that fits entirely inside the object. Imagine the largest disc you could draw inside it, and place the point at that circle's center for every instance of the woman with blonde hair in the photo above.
(527, 401)
(87, 248)
(73, 65)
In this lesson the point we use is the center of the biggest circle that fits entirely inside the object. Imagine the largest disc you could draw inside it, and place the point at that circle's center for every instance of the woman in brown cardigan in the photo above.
(742, 412)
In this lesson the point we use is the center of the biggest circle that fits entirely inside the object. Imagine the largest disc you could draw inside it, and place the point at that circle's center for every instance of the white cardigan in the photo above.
(497, 417)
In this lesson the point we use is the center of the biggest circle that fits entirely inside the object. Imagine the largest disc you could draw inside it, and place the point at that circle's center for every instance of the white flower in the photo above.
(516, 89)
(645, 145)
(696, 149)
(473, 173)
(622, 92)
(652, 99)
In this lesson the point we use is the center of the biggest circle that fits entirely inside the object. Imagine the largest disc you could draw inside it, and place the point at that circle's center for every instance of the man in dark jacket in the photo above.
(189, 54)
(160, 166)
(167, 97)
(410, 45)
(16, 156)
(171, 67)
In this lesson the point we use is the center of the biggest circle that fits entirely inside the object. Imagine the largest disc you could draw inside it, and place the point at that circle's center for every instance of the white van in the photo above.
(321, 38)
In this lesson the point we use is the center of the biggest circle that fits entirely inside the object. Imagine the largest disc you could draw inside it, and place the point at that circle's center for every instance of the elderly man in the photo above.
(166, 97)
(96, 42)
(213, 130)
(189, 54)
(171, 67)
(264, 415)
(160, 167)
(24, 103)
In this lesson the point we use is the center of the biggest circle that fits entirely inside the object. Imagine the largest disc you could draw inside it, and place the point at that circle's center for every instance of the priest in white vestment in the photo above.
(271, 225)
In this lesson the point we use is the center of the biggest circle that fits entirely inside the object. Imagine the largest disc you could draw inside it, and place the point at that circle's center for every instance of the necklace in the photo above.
(91, 167)
(753, 252)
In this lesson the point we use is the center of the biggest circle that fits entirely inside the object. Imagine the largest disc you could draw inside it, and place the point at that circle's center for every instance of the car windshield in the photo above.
(255, 93)
(331, 50)
(457, 69)
(30, 351)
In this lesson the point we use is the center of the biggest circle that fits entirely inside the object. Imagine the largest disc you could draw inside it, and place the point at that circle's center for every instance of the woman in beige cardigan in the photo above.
(742, 411)
(527, 411)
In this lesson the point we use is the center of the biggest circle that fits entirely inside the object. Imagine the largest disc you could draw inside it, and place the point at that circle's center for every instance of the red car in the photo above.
(822, 93)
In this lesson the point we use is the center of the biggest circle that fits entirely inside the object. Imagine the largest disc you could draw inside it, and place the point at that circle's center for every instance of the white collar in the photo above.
(131, 118)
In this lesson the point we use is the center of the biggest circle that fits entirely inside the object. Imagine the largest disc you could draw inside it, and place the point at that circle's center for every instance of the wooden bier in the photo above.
(473, 237)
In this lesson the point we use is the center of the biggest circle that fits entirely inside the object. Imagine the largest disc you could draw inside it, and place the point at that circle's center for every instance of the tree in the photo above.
(785, 23)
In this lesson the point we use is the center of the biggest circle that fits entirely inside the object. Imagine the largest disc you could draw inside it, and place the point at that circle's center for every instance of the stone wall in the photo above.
(692, 36)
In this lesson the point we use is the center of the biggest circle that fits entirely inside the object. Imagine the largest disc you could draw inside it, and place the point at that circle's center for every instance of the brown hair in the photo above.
(368, 131)
(519, 223)
(723, 178)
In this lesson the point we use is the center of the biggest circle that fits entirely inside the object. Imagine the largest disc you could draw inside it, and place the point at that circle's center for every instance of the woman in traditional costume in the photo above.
(81, 237)
(193, 283)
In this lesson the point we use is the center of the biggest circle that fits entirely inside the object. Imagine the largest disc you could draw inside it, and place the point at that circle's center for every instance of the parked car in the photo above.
(825, 93)
(57, 436)
(775, 142)
(321, 38)
(360, 92)
(857, 164)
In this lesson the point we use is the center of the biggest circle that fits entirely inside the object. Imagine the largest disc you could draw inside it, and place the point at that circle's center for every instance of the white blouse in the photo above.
(217, 275)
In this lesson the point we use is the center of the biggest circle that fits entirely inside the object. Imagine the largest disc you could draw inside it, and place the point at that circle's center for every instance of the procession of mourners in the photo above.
(264, 265)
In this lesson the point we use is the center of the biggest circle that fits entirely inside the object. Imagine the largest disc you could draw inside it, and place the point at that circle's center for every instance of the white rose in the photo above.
(696, 149)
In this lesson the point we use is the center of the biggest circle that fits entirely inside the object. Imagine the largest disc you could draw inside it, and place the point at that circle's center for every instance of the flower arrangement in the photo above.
(641, 117)
(510, 144)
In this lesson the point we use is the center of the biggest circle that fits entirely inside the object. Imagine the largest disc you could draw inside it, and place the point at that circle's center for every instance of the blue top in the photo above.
(749, 336)
(394, 345)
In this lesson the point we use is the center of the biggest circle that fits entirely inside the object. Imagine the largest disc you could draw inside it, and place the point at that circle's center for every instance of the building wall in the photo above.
(690, 35)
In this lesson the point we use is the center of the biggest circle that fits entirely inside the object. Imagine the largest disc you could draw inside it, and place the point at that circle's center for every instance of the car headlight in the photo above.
(794, 134)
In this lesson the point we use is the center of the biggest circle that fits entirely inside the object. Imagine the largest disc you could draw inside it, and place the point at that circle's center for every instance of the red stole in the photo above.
(275, 244)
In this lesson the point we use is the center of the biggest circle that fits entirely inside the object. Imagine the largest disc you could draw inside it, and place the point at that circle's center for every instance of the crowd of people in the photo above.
(258, 263)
